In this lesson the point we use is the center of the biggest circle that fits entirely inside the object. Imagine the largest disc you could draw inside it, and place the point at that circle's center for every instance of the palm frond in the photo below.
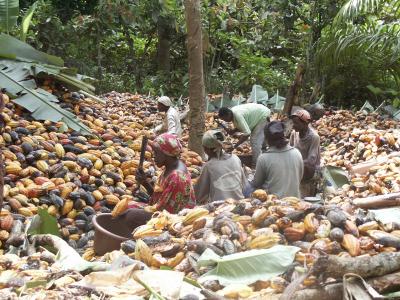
(354, 8)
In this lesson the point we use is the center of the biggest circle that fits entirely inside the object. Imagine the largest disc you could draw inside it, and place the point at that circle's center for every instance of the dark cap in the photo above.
(275, 129)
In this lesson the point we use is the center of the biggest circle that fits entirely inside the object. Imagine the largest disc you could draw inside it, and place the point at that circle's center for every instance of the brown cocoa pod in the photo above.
(15, 204)
(294, 234)
(7, 222)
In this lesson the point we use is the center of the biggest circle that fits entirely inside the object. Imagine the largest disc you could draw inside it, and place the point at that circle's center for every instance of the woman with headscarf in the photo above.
(173, 190)
(280, 169)
(222, 177)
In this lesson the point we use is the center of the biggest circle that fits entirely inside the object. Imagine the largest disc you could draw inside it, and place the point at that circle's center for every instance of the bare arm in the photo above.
(242, 139)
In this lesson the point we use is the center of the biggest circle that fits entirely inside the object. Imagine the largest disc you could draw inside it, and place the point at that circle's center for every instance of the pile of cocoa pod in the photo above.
(70, 175)
(351, 138)
(227, 227)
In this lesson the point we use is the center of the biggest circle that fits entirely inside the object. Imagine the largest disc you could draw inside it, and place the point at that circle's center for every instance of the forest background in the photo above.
(350, 55)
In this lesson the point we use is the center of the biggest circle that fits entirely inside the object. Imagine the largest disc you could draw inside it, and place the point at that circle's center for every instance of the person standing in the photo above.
(249, 119)
(307, 141)
(171, 123)
(222, 177)
(279, 170)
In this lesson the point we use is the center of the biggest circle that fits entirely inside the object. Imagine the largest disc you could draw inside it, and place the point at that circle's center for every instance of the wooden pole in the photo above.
(196, 78)
(294, 89)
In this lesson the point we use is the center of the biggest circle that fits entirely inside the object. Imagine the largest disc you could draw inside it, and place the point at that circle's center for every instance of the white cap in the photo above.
(165, 100)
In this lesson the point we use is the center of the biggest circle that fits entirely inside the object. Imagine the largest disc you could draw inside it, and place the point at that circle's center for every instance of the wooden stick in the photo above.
(365, 266)
(382, 284)
(379, 201)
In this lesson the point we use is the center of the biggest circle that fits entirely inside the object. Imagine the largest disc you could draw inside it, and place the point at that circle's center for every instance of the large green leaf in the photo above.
(367, 107)
(276, 102)
(249, 266)
(26, 21)
(335, 176)
(9, 12)
(43, 105)
(66, 75)
(43, 223)
(258, 94)
(13, 48)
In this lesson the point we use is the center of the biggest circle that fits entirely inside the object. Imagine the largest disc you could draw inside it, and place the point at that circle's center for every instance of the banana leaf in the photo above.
(258, 95)
(249, 266)
(9, 12)
(367, 107)
(66, 75)
(12, 48)
(226, 102)
(334, 176)
(15, 77)
(276, 102)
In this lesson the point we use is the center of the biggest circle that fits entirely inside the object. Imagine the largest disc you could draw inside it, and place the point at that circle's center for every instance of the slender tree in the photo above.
(196, 78)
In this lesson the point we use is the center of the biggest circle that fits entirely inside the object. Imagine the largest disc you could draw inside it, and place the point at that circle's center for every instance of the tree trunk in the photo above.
(196, 79)
(99, 56)
(365, 266)
(133, 66)
(163, 47)
(294, 90)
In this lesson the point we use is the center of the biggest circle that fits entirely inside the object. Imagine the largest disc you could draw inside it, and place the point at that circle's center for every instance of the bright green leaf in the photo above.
(43, 223)
(40, 103)
(335, 176)
(26, 20)
(13, 48)
(249, 266)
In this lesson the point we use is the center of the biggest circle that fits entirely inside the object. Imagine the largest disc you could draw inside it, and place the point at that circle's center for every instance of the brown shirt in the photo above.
(309, 147)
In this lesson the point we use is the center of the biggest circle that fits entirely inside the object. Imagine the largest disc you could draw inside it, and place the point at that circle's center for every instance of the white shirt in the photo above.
(172, 122)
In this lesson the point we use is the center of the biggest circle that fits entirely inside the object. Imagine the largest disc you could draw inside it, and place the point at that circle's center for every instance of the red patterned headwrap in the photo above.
(169, 144)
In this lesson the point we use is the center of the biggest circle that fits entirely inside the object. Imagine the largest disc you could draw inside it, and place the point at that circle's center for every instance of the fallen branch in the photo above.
(365, 266)
(382, 284)
(378, 201)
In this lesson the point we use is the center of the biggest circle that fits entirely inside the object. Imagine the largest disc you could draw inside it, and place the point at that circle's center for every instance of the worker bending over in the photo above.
(250, 119)
(307, 141)
(171, 123)
(222, 177)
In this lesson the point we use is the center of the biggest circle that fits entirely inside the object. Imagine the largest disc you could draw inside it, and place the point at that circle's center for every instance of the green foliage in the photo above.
(43, 223)
(15, 77)
(9, 12)
(362, 49)
(245, 42)
(26, 20)
(13, 48)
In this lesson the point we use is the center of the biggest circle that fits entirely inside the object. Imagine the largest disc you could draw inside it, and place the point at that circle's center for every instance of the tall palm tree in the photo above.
(365, 28)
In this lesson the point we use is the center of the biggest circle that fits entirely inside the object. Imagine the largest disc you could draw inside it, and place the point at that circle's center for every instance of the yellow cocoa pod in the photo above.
(42, 165)
(59, 150)
(97, 195)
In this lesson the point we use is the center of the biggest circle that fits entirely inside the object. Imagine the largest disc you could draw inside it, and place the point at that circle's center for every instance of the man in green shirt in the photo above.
(249, 119)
